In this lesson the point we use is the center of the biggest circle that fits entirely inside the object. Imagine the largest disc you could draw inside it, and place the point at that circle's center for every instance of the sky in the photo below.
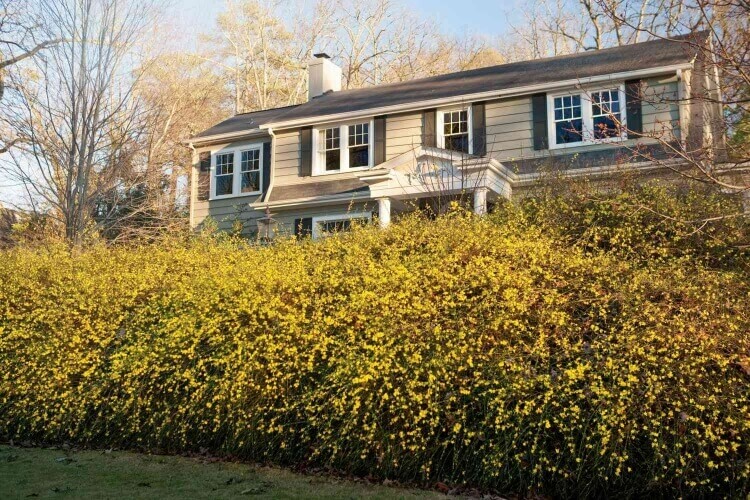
(486, 17)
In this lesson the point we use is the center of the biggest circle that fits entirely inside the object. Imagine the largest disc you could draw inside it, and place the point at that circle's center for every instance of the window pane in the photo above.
(250, 160)
(333, 159)
(358, 156)
(359, 134)
(606, 126)
(569, 131)
(223, 184)
(332, 138)
(567, 118)
(224, 164)
(224, 174)
(606, 113)
(457, 143)
(250, 182)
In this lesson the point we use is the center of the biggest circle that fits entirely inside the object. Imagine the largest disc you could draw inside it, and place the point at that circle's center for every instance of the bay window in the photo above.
(586, 117)
(342, 148)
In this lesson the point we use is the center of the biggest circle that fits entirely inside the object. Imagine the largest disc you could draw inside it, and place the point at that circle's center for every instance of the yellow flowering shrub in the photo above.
(487, 352)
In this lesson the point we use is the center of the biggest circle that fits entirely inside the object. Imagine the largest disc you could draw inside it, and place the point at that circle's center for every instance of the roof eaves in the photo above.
(229, 136)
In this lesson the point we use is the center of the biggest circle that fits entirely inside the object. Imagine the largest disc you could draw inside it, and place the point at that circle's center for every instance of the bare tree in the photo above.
(80, 119)
(378, 42)
(555, 27)
(716, 97)
(179, 97)
(264, 47)
(20, 39)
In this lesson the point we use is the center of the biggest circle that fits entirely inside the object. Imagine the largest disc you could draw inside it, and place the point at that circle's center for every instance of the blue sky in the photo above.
(485, 17)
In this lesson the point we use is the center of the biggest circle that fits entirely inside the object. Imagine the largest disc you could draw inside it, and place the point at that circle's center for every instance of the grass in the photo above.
(54, 473)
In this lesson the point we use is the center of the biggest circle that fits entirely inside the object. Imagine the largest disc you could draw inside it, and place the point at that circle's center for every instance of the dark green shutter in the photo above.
(266, 166)
(633, 97)
(539, 121)
(479, 129)
(204, 176)
(429, 120)
(379, 140)
(303, 227)
(305, 164)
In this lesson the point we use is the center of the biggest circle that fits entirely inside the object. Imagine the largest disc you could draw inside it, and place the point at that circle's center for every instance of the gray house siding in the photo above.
(510, 137)
(226, 212)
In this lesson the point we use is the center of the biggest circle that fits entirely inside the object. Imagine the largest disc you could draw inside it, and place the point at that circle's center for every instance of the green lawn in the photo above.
(45, 473)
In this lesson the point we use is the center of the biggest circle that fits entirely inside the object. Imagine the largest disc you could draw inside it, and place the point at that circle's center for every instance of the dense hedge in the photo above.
(505, 353)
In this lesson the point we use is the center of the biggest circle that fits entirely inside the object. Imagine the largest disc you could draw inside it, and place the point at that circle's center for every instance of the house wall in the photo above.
(509, 140)
(403, 133)
(510, 134)
(225, 211)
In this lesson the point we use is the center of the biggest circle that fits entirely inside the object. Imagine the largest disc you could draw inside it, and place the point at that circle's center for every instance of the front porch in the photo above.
(436, 176)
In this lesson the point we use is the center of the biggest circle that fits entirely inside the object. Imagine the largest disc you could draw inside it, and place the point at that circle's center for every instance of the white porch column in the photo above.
(384, 212)
(480, 200)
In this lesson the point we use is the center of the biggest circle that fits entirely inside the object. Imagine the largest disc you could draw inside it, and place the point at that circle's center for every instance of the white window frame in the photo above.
(316, 232)
(319, 167)
(440, 125)
(237, 171)
(587, 117)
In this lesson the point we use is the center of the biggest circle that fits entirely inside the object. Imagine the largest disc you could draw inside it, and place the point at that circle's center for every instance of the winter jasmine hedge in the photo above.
(570, 347)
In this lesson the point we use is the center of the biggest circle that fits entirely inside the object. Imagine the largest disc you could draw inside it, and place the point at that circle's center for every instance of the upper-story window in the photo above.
(332, 148)
(250, 164)
(359, 145)
(454, 130)
(568, 119)
(586, 117)
(342, 148)
(229, 180)
(605, 111)
(224, 174)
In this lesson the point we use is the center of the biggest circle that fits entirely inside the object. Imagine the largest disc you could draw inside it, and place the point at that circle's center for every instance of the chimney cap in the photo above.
(321, 55)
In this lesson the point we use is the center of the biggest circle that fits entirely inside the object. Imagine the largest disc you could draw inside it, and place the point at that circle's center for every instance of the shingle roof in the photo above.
(245, 122)
(640, 56)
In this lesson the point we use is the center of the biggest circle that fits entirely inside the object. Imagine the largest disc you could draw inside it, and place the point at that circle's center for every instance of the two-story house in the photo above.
(489, 132)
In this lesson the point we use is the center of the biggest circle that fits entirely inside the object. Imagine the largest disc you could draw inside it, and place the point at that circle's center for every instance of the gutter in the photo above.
(191, 217)
(311, 201)
(229, 136)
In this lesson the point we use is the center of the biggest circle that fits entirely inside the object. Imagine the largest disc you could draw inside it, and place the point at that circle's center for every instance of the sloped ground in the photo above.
(56, 473)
